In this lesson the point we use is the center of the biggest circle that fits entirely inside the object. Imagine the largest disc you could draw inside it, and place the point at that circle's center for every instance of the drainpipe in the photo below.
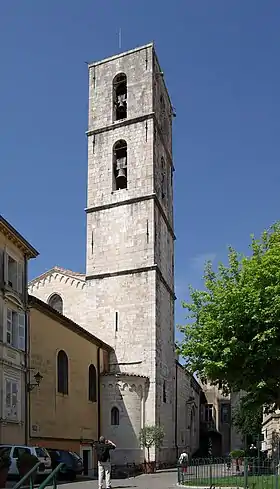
(26, 353)
(176, 408)
(99, 395)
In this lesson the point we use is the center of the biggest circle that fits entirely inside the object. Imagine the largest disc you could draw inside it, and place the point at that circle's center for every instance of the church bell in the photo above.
(121, 177)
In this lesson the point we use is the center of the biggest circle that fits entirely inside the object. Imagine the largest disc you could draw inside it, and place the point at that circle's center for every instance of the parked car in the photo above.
(73, 464)
(15, 451)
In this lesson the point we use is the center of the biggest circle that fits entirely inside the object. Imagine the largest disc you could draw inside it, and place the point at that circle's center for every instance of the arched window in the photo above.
(115, 416)
(120, 97)
(62, 372)
(120, 165)
(92, 383)
(56, 302)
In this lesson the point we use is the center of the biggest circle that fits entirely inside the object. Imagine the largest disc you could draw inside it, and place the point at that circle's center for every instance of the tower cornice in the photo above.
(128, 122)
(135, 200)
(133, 271)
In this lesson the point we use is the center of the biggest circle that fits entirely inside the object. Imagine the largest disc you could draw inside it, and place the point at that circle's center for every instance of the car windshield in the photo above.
(75, 455)
(41, 452)
(5, 450)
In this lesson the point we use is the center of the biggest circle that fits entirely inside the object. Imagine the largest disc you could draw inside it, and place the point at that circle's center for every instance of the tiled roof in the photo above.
(124, 374)
(63, 271)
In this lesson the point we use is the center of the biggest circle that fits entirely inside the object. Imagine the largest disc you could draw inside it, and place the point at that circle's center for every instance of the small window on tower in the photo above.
(164, 392)
(163, 179)
(120, 97)
(120, 165)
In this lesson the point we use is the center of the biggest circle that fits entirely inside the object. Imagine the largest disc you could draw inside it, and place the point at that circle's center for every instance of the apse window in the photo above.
(120, 165)
(120, 97)
(115, 416)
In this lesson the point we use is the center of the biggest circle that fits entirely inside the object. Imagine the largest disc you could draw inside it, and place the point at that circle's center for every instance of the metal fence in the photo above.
(252, 473)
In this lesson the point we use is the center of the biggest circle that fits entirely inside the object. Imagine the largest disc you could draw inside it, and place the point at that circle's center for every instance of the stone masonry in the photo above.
(126, 298)
(130, 271)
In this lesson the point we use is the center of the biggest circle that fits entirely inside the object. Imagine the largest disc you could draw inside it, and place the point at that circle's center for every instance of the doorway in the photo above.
(86, 454)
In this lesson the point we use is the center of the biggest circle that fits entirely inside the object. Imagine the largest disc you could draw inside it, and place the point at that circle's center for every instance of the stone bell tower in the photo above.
(130, 266)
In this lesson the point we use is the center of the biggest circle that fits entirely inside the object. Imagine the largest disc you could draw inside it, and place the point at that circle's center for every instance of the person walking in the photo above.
(183, 461)
(103, 448)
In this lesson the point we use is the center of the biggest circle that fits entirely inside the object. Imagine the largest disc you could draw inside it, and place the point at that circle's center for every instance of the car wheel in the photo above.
(72, 476)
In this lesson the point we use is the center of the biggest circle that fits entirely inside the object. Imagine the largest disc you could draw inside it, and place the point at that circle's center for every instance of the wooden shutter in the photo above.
(14, 399)
(20, 268)
(8, 396)
(1, 268)
(1, 320)
(21, 331)
(9, 326)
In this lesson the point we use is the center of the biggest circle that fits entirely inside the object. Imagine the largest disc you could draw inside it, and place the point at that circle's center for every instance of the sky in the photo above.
(221, 64)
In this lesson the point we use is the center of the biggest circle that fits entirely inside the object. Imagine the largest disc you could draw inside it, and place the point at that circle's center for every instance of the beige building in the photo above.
(65, 408)
(271, 432)
(15, 252)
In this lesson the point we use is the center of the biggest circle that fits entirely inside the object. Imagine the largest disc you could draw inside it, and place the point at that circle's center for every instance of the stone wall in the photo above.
(127, 394)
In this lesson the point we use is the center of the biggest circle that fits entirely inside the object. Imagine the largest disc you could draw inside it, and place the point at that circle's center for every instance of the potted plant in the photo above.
(151, 436)
(238, 455)
(5, 463)
(25, 462)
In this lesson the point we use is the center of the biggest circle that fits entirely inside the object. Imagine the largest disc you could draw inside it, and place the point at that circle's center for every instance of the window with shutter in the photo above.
(20, 277)
(9, 327)
(8, 401)
(21, 332)
(13, 273)
(15, 329)
(2, 321)
(11, 399)
(1, 268)
(14, 399)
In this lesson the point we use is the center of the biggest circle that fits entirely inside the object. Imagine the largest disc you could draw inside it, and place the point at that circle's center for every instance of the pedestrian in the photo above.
(102, 448)
(183, 461)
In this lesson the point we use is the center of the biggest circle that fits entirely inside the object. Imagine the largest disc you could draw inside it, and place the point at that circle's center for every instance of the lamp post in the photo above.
(38, 378)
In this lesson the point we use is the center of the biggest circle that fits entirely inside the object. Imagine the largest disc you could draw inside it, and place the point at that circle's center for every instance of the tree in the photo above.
(232, 337)
(248, 421)
(151, 436)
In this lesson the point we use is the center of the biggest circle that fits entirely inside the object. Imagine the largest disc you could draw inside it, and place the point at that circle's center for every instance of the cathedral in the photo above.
(126, 296)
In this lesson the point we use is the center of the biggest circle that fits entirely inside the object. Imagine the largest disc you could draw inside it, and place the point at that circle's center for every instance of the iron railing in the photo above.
(29, 477)
(247, 473)
(52, 478)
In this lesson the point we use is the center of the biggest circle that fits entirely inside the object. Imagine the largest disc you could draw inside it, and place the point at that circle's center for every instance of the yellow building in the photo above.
(65, 408)
(15, 252)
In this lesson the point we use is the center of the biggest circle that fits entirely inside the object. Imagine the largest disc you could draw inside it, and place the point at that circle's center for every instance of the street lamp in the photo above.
(38, 378)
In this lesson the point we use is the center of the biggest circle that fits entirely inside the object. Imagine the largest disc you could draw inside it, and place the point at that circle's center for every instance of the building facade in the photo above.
(126, 297)
(65, 407)
(215, 419)
(187, 399)
(15, 252)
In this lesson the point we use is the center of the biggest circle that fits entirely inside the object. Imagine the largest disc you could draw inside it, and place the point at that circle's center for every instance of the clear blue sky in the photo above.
(221, 65)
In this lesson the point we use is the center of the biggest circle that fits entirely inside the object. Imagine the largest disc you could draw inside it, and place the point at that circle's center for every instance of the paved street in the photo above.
(165, 479)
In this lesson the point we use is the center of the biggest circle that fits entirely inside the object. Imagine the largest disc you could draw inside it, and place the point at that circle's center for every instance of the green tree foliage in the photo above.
(232, 337)
(151, 436)
(248, 420)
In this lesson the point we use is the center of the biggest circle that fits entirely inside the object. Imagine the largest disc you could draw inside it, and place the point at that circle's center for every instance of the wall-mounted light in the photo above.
(38, 378)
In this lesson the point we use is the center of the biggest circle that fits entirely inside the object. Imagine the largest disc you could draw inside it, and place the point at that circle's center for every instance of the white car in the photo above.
(15, 451)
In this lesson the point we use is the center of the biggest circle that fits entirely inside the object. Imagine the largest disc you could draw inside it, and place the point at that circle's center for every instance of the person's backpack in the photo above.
(183, 458)
(103, 453)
